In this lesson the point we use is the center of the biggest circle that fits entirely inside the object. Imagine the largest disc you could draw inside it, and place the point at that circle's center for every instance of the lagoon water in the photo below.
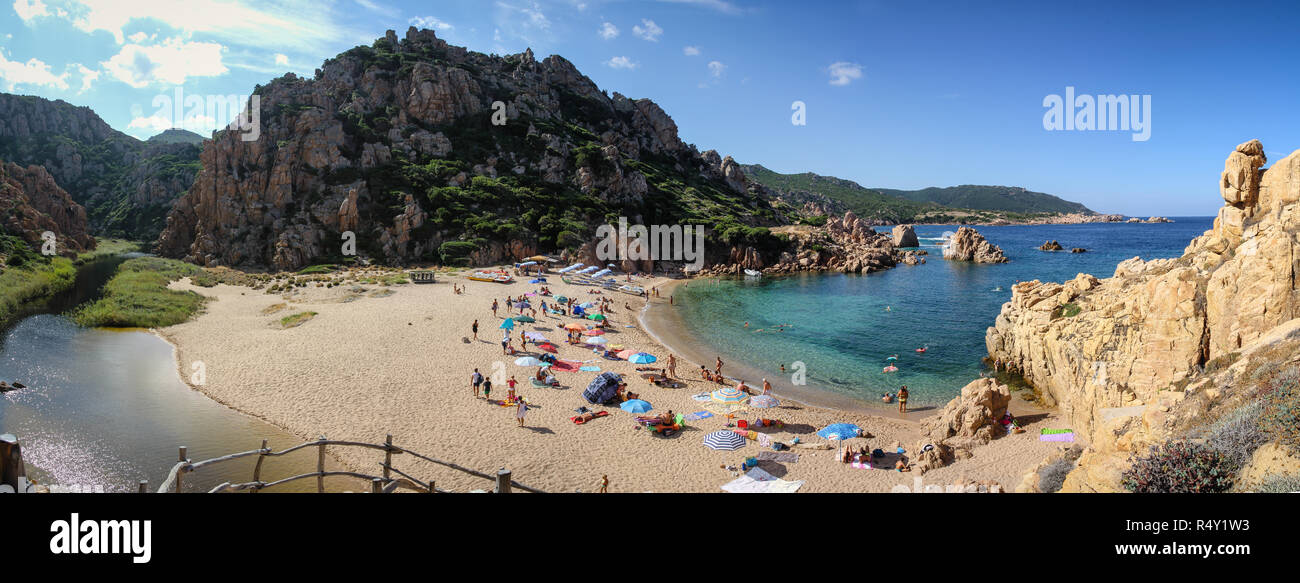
(843, 327)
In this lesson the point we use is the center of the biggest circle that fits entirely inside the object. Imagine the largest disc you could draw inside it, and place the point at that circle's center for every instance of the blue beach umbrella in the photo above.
(724, 440)
(635, 406)
(839, 431)
(508, 324)
(642, 358)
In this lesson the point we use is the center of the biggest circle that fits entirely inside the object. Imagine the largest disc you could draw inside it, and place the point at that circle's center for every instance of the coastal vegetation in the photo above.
(1180, 467)
(296, 319)
(138, 297)
(26, 275)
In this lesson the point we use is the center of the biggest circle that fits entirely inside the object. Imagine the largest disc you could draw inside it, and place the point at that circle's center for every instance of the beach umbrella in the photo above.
(528, 361)
(522, 305)
(724, 440)
(548, 347)
(574, 326)
(561, 299)
(616, 347)
(524, 319)
(625, 354)
(596, 317)
(727, 400)
(642, 358)
(635, 406)
(892, 358)
(594, 332)
(508, 324)
(764, 402)
(587, 305)
(535, 336)
(839, 431)
(596, 340)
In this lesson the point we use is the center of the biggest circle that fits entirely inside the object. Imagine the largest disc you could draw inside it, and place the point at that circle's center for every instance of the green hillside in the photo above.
(991, 198)
(864, 202)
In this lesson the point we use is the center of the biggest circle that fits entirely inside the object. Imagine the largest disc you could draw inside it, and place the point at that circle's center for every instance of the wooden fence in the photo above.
(386, 483)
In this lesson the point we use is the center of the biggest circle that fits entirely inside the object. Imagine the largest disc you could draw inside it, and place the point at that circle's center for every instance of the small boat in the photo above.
(495, 276)
(632, 289)
(922, 350)
(752, 273)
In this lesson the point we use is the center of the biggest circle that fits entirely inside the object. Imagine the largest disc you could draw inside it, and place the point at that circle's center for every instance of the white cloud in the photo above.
(843, 73)
(88, 76)
(169, 63)
(32, 72)
(621, 63)
(29, 9)
(281, 59)
(719, 5)
(430, 22)
(378, 8)
(716, 68)
(690, 51)
(306, 26)
(608, 31)
(650, 32)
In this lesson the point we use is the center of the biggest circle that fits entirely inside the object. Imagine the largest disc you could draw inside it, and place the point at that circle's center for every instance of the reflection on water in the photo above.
(106, 408)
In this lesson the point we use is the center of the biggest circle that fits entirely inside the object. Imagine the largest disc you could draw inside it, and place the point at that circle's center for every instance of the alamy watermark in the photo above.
(204, 110)
(1099, 113)
(656, 243)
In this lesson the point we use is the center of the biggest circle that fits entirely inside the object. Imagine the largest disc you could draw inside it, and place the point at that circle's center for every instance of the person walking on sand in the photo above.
(604, 484)
(672, 365)
(767, 387)
(902, 399)
(474, 328)
(476, 379)
(510, 384)
(487, 389)
(505, 340)
(521, 409)
(718, 368)
(494, 307)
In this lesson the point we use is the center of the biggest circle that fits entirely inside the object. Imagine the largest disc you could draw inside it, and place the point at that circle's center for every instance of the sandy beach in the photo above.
(398, 359)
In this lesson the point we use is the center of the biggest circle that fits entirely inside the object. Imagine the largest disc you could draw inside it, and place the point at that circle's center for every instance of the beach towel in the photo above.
(566, 366)
(861, 465)
(696, 416)
(764, 439)
(757, 481)
(702, 397)
(772, 456)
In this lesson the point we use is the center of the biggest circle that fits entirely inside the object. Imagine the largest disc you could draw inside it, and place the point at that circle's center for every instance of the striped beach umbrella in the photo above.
(727, 400)
(764, 402)
(574, 326)
(724, 440)
(596, 332)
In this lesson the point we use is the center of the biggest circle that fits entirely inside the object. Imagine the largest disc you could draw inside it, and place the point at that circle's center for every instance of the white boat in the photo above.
(752, 273)
(632, 289)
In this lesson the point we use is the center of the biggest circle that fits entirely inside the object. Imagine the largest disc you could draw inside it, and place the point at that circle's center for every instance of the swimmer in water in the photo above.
(746, 324)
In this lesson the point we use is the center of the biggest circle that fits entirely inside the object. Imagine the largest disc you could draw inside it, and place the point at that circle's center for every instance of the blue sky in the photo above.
(897, 94)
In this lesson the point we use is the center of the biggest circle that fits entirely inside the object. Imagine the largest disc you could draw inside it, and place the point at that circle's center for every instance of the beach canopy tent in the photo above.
(578, 311)
(600, 273)
(603, 389)
(839, 431)
(587, 270)
(526, 264)
(569, 268)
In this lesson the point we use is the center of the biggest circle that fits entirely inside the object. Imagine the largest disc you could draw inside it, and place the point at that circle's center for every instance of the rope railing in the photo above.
(385, 483)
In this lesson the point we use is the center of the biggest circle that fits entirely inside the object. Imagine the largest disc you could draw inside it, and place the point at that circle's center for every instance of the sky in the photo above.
(891, 94)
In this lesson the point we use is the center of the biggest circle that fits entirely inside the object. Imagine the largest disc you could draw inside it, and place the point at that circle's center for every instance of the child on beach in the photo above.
(476, 379)
(474, 327)
(494, 307)
(902, 399)
(604, 484)
(487, 389)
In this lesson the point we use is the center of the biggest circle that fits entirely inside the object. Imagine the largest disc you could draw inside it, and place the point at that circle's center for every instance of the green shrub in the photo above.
(137, 296)
(1280, 417)
(1179, 467)
(296, 319)
(1279, 484)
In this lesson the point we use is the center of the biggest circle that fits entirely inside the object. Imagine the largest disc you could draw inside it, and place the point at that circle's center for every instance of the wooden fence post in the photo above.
(388, 457)
(144, 486)
(257, 469)
(181, 472)
(503, 481)
(376, 485)
(320, 467)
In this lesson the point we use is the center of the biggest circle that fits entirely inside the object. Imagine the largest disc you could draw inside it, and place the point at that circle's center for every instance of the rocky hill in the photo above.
(396, 143)
(32, 204)
(127, 186)
(1118, 354)
(177, 136)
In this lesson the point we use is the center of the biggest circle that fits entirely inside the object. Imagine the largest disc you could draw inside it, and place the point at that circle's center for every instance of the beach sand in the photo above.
(394, 360)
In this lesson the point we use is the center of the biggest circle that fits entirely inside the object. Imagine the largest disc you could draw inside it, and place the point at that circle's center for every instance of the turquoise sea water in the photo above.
(843, 327)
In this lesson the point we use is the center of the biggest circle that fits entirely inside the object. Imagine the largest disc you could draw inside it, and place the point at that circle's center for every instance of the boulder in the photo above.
(968, 245)
(905, 236)
(1050, 246)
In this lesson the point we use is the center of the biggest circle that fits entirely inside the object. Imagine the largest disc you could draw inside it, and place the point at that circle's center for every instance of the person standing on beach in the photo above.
(718, 368)
(902, 399)
(505, 340)
(494, 307)
(474, 327)
(520, 410)
(672, 365)
(487, 389)
(476, 379)
(510, 392)
(604, 484)
(767, 387)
